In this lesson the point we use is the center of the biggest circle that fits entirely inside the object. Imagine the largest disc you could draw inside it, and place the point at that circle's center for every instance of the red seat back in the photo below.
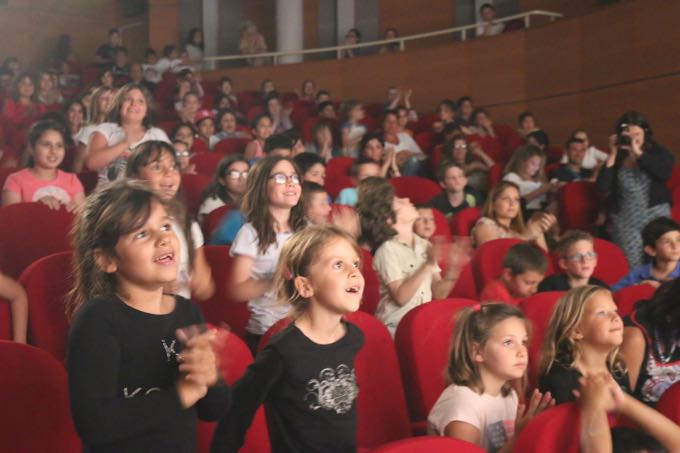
(47, 283)
(221, 308)
(234, 358)
(579, 205)
(674, 180)
(495, 175)
(193, 186)
(556, 429)
(509, 139)
(337, 175)
(429, 444)
(669, 403)
(5, 320)
(301, 111)
(231, 146)
(89, 180)
(29, 231)
(419, 190)
(538, 309)
(487, 263)
(463, 221)
(465, 287)
(206, 163)
(371, 284)
(248, 99)
(381, 405)
(627, 297)
(36, 414)
(441, 225)
(255, 111)
(612, 264)
(423, 341)
(213, 219)
(427, 140)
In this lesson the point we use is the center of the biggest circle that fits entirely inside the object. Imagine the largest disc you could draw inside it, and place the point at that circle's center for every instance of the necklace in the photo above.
(660, 347)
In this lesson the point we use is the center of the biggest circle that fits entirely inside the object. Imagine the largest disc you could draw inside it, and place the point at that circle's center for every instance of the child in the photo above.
(424, 225)
(322, 144)
(315, 203)
(42, 181)
(306, 373)
(262, 129)
(272, 209)
(205, 125)
(361, 169)
(184, 155)
(157, 163)
(353, 131)
(523, 269)
(578, 261)
(456, 196)
(661, 240)
(583, 338)
(573, 169)
(599, 396)
(226, 120)
(526, 170)
(312, 166)
(471, 157)
(480, 406)
(137, 381)
(406, 264)
(278, 145)
(227, 185)
(593, 157)
(185, 132)
(12, 292)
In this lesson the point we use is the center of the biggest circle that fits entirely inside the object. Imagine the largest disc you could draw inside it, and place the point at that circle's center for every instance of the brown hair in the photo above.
(558, 346)
(570, 238)
(521, 155)
(119, 209)
(297, 255)
(517, 224)
(255, 204)
(375, 209)
(93, 111)
(471, 331)
(114, 115)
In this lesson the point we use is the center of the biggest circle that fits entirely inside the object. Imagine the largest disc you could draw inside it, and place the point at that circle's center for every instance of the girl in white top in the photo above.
(227, 185)
(526, 169)
(271, 206)
(129, 125)
(157, 163)
(98, 108)
(353, 131)
(489, 351)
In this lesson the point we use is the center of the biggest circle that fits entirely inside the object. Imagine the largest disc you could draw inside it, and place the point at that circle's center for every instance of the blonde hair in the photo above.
(517, 224)
(522, 155)
(558, 346)
(471, 331)
(297, 255)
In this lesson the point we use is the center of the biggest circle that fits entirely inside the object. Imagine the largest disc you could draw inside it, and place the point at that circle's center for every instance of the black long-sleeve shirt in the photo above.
(122, 370)
(310, 391)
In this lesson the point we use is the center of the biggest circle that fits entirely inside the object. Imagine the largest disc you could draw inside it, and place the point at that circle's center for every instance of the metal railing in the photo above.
(401, 40)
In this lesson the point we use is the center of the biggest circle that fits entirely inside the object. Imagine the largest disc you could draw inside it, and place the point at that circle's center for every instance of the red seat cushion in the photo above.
(429, 444)
(627, 297)
(337, 175)
(193, 186)
(669, 403)
(579, 204)
(5, 320)
(463, 221)
(419, 190)
(371, 284)
(213, 219)
(206, 163)
(231, 145)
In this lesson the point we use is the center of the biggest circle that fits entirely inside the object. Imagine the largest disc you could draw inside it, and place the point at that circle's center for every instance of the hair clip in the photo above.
(477, 307)
(287, 274)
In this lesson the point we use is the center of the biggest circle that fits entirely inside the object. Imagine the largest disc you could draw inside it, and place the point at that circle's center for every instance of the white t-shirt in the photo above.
(406, 143)
(354, 131)
(526, 187)
(115, 134)
(592, 157)
(264, 310)
(493, 416)
(209, 205)
(183, 272)
(85, 133)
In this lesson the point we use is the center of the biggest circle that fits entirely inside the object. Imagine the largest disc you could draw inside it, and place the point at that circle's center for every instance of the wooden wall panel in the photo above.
(410, 17)
(263, 14)
(163, 24)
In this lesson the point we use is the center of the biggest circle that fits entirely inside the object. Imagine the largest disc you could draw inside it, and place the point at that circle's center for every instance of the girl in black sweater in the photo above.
(136, 381)
(306, 373)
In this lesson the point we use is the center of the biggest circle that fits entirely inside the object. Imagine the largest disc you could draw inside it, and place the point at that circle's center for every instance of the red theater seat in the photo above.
(463, 221)
(418, 190)
(213, 219)
(553, 430)
(627, 297)
(579, 204)
(371, 284)
(206, 163)
(337, 175)
(193, 186)
(5, 320)
(36, 414)
(231, 146)
(423, 341)
(429, 444)
(669, 403)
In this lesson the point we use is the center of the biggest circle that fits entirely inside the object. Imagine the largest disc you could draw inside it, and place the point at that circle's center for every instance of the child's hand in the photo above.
(434, 253)
(600, 391)
(654, 283)
(347, 220)
(190, 392)
(197, 360)
(51, 202)
(537, 404)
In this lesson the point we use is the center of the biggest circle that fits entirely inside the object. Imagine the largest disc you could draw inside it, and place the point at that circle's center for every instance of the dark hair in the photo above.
(524, 115)
(255, 204)
(167, 50)
(277, 141)
(271, 95)
(264, 82)
(309, 188)
(355, 31)
(192, 35)
(570, 238)
(541, 137)
(149, 51)
(322, 93)
(445, 166)
(525, 257)
(662, 314)
(486, 6)
(362, 160)
(259, 118)
(634, 118)
(39, 128)
(293, 134)
(15, 86)
(226, 79)
(371, 136)
(307, 160)
(321, 125)
(476, 112)
(222, 112)
(114, 114)
(657, 228)
(180, 126)
(217, 100)
(118, 209)
(323, 105)
(216, 188)
(375, 209)
(461, 100)
(450, 146)
(448, 103)
(120, 49)
(572, 140)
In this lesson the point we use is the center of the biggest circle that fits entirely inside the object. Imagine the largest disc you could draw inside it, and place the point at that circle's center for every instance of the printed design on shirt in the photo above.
(336, 390)
(52, 191)
(170, 350)
(498, 433)
(661, 376)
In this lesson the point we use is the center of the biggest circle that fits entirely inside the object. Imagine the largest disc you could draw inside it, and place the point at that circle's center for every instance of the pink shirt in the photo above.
(31, 188)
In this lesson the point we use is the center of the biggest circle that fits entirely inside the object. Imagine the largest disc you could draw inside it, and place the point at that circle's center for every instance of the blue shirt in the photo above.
(348, 196)
(642, 273)
(226, 231)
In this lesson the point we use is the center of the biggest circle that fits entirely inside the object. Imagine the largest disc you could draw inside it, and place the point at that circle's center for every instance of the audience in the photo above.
(227, 185)
(523, 269)
(488, 26)
(573, 169)
(456, 195)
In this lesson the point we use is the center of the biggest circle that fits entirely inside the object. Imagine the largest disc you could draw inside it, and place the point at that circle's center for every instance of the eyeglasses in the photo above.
(588, 256)
(235, 174)
(183, 153)
(280, 178)
(460, 146)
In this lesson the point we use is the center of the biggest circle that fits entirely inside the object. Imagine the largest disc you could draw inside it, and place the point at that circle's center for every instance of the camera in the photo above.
(623, 140)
